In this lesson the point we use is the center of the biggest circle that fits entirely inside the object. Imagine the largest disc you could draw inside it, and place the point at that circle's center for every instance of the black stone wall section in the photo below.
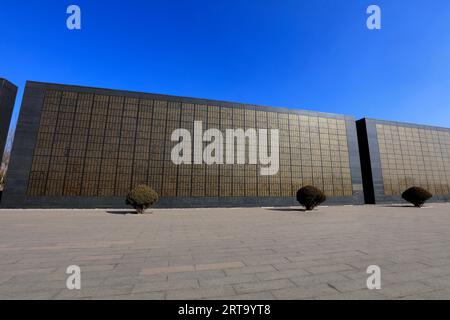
(8, 92)
(371, 161)
(25, 139)
(366, 168)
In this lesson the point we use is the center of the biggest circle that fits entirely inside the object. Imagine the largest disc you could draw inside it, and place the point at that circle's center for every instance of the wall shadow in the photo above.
(398, 206)
(287, 209)
(122, 212)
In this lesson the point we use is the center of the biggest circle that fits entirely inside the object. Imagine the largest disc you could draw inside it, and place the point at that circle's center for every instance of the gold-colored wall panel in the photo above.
(101, 146)
(414, 157)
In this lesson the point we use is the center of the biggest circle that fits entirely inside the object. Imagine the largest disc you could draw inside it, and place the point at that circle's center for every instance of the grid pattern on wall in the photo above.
(101, 145)
(414, 157)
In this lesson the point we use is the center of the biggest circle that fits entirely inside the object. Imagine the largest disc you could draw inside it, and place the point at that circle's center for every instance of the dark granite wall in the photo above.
(372, 162)
(25, 140)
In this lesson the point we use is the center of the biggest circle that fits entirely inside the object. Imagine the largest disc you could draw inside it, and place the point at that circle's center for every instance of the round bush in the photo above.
(417, 196)
(310, 197)
(141, 198)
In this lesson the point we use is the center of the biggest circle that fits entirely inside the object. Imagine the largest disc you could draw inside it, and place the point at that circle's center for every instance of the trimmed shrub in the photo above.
(417, 196)
(310, 197)
(141, 198)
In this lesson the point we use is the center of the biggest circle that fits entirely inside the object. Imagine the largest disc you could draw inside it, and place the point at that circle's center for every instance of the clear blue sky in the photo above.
(315, 55)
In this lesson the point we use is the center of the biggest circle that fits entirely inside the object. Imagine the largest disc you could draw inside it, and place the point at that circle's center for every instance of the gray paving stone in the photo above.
(274, 275)
(5, 278)
(262, 286)
(265, 295)
(404, 289)
(253, 251)
(165, 285)
(235, 279)
(364, 294)
(304, 292)
(135, 296)
(434, 295)
(399, 277)
(204, 275)
(437, 282)
(438, 271)
(201, 293)
(131, 280)
(97, 292)
(30, 295)
(295, 265)
(250, 270)
(328, 268)
(405, 267)
(309, 280)
(348, 285)
(264, 261)
(219, 265)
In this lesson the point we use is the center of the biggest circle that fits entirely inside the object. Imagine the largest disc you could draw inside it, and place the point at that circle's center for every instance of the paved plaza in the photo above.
(256, 253)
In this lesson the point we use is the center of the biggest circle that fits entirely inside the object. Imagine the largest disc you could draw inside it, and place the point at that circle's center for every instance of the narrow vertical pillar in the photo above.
(366, 166)
(8, 93)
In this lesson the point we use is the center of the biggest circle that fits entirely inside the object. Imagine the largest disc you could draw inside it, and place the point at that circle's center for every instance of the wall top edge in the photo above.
(403, 124)
(143, 95)
(7, 83)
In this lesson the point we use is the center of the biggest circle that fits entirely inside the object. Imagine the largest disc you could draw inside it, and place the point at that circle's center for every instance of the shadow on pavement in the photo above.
(399, 206)
(287, 209)
(121, 212)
